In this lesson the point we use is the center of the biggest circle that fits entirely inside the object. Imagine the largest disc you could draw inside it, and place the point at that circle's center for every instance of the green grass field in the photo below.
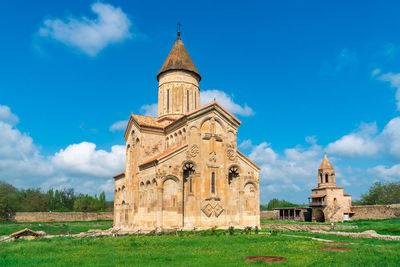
(55, 228)
(188, 249)
(383, 227)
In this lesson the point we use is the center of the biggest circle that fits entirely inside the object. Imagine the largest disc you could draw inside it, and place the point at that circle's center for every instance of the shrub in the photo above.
(231, 230)
(247, 230)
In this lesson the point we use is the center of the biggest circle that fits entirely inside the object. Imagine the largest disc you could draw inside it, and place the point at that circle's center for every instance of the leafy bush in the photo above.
(231, 230)
(247, 230)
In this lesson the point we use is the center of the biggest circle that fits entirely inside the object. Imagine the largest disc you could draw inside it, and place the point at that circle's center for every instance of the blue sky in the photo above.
(305, 78)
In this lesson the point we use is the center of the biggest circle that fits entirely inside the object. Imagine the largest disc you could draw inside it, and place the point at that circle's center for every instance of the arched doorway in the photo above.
(319, 216)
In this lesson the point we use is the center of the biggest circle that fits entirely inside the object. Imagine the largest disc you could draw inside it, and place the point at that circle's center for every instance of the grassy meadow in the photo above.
(213, 248)
(55, 228)
(383, 227)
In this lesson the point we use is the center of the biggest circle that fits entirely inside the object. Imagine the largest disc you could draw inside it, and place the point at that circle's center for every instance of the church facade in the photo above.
(183, 168)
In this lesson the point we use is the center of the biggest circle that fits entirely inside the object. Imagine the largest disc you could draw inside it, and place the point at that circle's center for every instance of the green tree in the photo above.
(276, 203)
(8, 201)
(381, 193)
(32, 199)
(102, 201)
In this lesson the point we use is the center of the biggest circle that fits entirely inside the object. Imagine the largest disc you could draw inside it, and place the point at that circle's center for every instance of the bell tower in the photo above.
(326, 173)
(178, 83)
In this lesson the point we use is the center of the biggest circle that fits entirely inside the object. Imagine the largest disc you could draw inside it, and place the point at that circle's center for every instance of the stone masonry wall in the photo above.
(61, 216)
(269, 214)
(375, 212)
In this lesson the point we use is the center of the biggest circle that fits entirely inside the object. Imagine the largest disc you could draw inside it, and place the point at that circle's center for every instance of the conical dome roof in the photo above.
(179, 59)
(326, 164)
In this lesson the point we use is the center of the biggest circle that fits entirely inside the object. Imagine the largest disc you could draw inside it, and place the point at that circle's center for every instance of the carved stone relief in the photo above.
(212, 206)
(193, 151)
(231, 152)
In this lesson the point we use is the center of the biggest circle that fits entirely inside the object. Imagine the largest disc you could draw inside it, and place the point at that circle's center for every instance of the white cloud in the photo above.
(84, 159)
(245, 144)
(90, 35)
(394, 80)
(390, 138)
(6, 115)
(78, 165)
(263, 153)
(149, 110)
(226, 101)
(293, 172)
(357, 144)
(311, 139)
(108, 186)
(118, 126)
(386, 173)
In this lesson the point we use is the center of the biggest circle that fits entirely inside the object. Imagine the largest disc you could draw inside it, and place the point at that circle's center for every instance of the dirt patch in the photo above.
(265, 258)
(335, 248)
(337, 243)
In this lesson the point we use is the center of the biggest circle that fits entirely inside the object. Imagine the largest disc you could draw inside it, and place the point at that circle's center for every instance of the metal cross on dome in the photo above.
(179, 29)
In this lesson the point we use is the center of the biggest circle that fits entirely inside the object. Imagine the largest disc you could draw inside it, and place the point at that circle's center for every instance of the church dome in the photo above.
(179, 59)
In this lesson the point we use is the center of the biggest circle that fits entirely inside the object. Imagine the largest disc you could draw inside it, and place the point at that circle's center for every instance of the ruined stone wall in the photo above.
(269, 214)
(375, 212)
(61, 216)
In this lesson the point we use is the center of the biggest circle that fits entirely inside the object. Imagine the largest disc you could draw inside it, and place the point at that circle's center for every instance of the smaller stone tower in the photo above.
(178, 78)
(328, 202)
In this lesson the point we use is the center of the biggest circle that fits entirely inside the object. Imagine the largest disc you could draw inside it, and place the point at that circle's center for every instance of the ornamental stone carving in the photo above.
(193, 151)
(211, 207)
(231, 153)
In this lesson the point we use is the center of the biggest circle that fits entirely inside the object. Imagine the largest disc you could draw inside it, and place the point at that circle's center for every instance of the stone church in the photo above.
(328, 202)
(183, 168)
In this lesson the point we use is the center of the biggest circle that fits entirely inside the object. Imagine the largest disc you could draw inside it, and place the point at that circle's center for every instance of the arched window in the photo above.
(321, 178)
(167, 100)
(326, 178)
(188, 169)
(233, 173)
(133, 138)
(187, 100)
(213, 182)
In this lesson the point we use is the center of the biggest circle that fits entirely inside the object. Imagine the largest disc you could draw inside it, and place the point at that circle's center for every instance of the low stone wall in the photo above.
(306, 227)
(61, 216)
(375, 212)
(269, 214)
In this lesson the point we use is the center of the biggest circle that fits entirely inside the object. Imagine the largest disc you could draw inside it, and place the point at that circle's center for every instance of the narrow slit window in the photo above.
(190, 185)
(168, 100)
(195, 100)
(213, 182)
(187, 100)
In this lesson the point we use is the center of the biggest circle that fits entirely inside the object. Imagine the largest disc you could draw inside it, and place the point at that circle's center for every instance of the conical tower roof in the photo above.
(326, 164)
(179, 59)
